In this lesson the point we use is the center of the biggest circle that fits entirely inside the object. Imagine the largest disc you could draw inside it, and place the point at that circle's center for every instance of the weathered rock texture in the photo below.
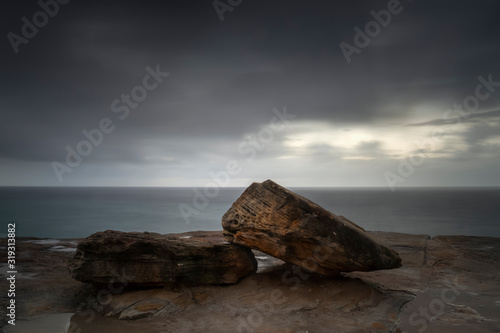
(274, 220)
(447, 284)
(144, 259)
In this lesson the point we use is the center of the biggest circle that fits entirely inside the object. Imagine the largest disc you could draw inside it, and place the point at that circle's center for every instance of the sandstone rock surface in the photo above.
(447, 284)
(281, 223)
(144, 259)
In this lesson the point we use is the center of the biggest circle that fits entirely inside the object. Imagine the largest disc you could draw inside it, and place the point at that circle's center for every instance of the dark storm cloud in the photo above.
(226, 77)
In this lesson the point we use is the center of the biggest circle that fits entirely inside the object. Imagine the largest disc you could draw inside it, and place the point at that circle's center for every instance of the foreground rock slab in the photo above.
(144, 259)
(447, 284)
(281, 223)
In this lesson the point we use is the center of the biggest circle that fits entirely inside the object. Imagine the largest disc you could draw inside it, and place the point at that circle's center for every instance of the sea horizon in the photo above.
(290, 187)
(79, 211)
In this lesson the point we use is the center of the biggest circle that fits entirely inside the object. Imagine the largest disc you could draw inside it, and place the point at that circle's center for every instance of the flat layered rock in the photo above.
(447, 284)
(272, 219)
(145, 259)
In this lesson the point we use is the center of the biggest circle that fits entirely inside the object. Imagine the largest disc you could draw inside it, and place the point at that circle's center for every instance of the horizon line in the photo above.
(357, 186)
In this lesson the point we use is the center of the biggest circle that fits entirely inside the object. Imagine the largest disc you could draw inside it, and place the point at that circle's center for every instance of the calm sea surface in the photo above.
(79, 212)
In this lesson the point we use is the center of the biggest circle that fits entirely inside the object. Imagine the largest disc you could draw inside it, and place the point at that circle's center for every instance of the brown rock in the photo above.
(459, 275)
(144, 259)
(274, 220)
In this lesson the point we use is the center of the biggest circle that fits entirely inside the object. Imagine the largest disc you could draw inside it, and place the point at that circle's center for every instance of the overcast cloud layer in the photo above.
(385, 118)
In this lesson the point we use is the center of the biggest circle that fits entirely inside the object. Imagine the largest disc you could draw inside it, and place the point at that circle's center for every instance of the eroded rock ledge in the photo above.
(446, 284)
(145, 259)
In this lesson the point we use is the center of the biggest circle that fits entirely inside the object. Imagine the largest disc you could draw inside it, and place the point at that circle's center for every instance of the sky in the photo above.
(228, 92)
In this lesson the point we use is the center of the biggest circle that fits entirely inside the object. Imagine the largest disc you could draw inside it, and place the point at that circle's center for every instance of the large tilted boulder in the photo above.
(144, 259)
(274, 220)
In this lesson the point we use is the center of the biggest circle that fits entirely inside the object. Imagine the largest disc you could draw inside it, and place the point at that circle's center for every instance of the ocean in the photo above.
(61, 212)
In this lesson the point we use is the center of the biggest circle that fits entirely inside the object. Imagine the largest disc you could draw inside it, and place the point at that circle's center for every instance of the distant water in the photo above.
(79, 212)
